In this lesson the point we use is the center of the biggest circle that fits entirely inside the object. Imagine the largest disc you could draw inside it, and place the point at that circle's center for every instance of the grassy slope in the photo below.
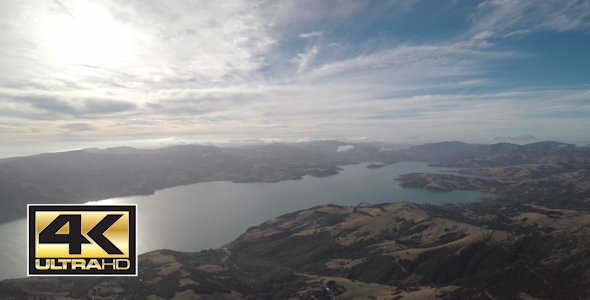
(390, 251)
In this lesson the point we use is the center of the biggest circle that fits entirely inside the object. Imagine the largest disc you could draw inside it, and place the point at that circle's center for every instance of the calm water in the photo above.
(209, 215)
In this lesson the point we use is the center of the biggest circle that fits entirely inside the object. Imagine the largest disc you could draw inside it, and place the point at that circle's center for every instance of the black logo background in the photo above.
(66, 210)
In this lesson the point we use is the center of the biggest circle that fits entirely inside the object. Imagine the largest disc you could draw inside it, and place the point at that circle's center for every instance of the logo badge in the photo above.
(91, 240)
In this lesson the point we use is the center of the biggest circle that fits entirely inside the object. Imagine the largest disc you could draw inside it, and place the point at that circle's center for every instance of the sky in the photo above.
(76, 72)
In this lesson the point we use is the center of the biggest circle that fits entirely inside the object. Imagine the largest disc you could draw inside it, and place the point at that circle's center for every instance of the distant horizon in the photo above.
(40, 148)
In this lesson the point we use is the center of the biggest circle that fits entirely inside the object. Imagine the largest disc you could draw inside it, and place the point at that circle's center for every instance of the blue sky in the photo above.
(100, 72)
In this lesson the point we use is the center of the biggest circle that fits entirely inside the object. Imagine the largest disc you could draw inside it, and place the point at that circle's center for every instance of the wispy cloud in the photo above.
(79, 127)
(510, 17)
(311, 34)
(305, 69)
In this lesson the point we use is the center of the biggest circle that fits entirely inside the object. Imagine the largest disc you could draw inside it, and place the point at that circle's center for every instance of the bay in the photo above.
(210, 214)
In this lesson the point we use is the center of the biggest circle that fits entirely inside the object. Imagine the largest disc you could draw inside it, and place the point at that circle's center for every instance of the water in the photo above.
(13, 249)
(211, 214)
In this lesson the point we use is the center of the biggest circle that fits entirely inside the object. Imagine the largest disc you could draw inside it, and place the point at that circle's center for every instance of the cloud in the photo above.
(362, 138)
(519, 138)
(411, 64)
(509, 17)
(414, 137)
(311, 34)
(385, 149)
(51, 105)
(304, 60)
(142, 42)
(78, 127)
(242, 69)
(345, 148)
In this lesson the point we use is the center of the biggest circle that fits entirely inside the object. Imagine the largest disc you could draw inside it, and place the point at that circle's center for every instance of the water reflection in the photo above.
(208, 215)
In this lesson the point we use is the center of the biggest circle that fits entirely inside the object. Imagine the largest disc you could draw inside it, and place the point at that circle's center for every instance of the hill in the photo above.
(96, 174)
(82, 176)
(389, 251)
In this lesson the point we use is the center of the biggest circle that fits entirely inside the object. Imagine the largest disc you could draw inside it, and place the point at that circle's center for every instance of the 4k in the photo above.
(91, 240)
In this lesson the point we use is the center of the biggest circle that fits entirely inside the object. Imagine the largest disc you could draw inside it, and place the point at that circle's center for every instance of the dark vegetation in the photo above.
(13, 292)
(446, 183)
